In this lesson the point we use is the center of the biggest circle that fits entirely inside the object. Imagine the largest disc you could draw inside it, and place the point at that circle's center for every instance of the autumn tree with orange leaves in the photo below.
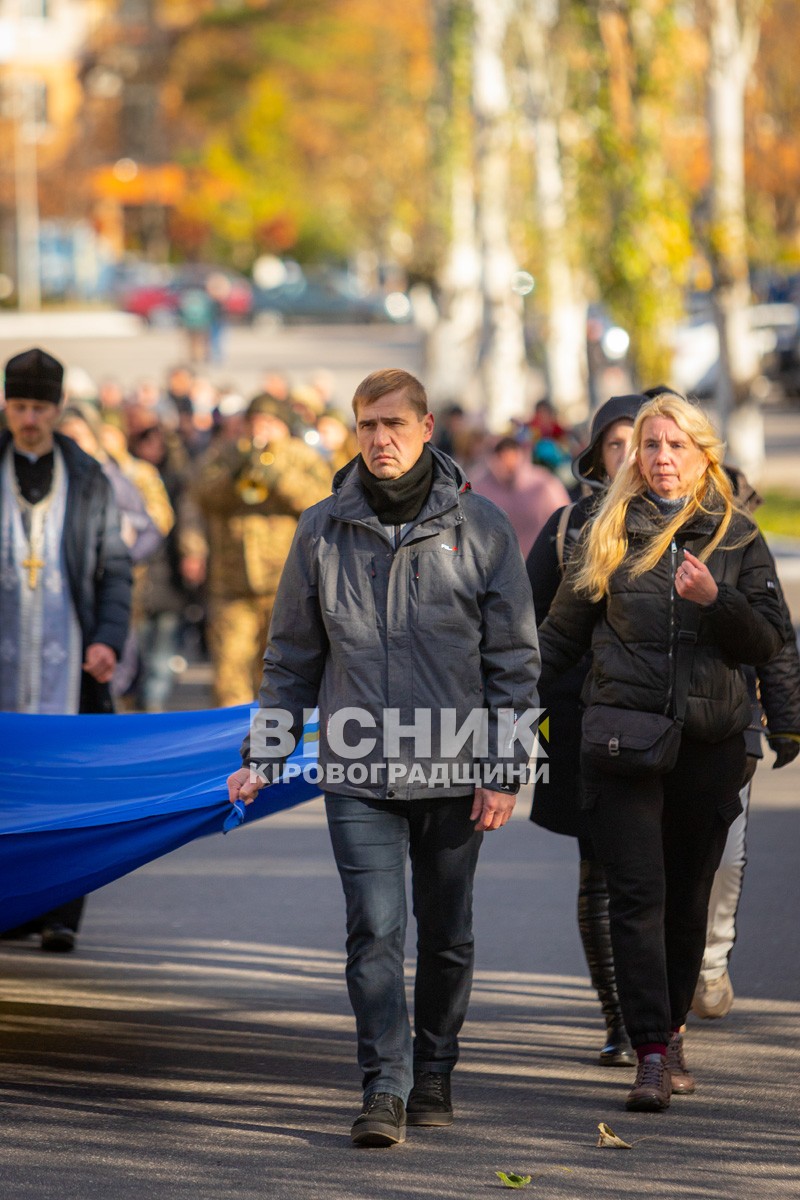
(303, 125)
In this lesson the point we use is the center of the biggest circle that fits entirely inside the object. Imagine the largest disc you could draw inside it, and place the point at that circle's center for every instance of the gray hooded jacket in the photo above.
(445, 622)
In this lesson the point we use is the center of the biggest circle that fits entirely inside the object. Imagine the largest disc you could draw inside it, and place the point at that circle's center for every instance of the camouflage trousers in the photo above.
(237, 637)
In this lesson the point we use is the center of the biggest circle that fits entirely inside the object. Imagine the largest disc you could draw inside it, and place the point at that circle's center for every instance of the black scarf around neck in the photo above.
(396, 501)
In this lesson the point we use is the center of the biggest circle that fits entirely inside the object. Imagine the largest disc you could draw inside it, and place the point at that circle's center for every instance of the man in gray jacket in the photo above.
(405, 613)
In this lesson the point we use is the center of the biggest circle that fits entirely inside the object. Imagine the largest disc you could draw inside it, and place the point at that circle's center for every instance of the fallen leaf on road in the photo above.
(609, 1138)
(514, 1181)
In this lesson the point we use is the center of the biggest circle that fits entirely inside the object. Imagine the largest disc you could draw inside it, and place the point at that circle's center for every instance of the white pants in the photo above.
(725, 894)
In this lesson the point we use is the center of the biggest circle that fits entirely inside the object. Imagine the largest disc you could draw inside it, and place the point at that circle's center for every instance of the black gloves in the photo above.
(786, 750)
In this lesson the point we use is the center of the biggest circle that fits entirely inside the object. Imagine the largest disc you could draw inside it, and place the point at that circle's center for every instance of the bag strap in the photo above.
(687, 640)
(561, 534)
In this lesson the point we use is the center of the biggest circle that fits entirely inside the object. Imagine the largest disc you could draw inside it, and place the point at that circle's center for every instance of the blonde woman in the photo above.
(669, 570)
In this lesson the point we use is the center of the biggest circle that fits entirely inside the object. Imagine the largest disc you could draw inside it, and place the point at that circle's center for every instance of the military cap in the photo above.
(266, 403)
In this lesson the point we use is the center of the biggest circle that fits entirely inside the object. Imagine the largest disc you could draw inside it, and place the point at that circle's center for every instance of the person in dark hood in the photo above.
(403, 599)
(556, 802)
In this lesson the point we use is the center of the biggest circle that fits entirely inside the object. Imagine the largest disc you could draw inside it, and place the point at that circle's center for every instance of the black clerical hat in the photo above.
(34, 375)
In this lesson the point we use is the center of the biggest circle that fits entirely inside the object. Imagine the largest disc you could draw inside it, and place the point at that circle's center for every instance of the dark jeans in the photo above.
(660, 840)
(371, 843)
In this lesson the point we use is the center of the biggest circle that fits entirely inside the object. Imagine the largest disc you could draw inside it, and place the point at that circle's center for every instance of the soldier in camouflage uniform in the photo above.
(251, 494)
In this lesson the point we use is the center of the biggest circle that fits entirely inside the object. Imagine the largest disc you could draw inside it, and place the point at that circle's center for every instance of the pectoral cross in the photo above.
(33, 566)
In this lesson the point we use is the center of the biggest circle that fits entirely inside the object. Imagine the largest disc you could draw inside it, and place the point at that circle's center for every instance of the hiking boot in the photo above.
(381, 1122)
(713, 997)
(429, 1102)
(682, 1082)
(652, 1087)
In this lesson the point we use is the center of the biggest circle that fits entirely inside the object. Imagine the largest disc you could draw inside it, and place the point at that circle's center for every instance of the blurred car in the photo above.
(774, 330)
(328, 297)
(131, 273)
(157, 301)
(781, 357)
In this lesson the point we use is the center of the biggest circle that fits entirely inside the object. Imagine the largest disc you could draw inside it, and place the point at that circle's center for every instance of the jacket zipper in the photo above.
(673, 572)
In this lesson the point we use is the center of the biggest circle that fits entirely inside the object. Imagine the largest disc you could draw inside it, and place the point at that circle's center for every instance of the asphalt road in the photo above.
(200, 1045)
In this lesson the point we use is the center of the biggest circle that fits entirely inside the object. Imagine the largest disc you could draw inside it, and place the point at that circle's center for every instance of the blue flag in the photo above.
(86, 799)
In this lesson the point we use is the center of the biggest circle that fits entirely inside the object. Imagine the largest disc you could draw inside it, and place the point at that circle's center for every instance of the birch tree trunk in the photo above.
(453, 343)
(565, 335)
(501, 358)
(733, 44)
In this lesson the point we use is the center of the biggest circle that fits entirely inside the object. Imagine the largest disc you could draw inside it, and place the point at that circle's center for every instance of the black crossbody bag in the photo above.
(625, 741)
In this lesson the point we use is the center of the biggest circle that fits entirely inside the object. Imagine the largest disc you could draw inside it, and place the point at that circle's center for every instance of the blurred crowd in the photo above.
(210, 484)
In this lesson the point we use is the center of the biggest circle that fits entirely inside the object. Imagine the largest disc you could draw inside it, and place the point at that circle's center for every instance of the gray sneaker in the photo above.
(381, 1122)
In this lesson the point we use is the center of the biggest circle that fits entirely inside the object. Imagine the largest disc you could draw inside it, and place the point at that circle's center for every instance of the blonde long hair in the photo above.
(607, 542)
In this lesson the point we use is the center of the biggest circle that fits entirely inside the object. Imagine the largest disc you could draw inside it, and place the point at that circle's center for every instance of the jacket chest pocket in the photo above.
(446, 593)
(347, 595)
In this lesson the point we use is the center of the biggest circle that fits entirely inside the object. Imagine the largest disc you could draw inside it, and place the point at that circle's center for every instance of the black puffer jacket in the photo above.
(556, 799)
(633, 632)
(779, 684)
(97, 561)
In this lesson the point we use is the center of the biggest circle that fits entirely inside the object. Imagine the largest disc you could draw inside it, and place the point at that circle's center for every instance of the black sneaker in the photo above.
(429, 1102)
(382, 1121)
(58, 939)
